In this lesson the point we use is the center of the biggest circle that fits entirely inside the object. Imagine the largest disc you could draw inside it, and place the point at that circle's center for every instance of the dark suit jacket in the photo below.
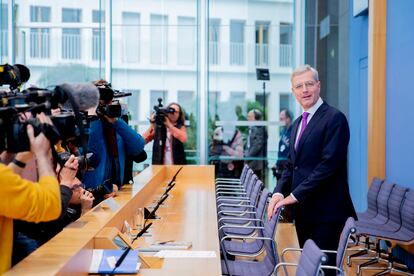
(257, 148)
(316, 172)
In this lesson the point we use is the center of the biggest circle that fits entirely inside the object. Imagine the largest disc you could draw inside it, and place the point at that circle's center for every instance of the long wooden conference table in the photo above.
(189, 214)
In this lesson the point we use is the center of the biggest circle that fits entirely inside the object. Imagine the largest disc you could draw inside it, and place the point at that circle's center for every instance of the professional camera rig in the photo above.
(107, 106)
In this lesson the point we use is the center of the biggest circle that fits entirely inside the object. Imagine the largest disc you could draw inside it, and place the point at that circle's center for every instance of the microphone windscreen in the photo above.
(86, 95)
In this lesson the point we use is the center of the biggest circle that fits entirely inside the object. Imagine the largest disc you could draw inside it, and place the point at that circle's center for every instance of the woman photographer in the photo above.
(176, 135)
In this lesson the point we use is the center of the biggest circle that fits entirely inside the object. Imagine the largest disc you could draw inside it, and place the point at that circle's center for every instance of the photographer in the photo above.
(75, 201)
(233, 148)
(110, 140)
(176, 134)
(23, 199)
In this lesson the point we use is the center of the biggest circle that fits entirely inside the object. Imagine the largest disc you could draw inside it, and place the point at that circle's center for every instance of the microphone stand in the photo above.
(151, 215)
(121, 259)
(170, 185)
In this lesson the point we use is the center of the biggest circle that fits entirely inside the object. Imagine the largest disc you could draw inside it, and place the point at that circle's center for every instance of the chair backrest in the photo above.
(261, 204)
(383, 197)
(373, 195)
(310, 260)
(254, 195)
(407, 213)
(349, 228)
(252, 180)
(246, 182)
(395, 204)
(271, 259)
(244, 173)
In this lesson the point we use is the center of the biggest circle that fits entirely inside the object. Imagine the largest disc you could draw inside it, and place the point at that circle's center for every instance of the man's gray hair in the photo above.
(303, 69)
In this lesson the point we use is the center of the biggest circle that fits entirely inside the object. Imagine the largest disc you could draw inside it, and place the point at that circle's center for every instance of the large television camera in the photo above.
(161, 112)
(19, 108)
(107, 105)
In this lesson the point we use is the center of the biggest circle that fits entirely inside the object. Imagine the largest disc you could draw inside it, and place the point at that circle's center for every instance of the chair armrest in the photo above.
(231, 193)
(233, 197)
(333, 267)
(235, 205)
(236, 219)
(227, 179)
(231, 189)
(229, 185)
(284, 265)
(289, 249)
(241, 227)
(236, 213)
(235, 200)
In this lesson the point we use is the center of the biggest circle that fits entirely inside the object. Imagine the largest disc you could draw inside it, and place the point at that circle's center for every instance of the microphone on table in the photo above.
(174, 177)
(121, 259)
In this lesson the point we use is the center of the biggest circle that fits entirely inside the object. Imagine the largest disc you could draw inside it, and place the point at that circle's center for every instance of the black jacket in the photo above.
(178, 153)
(316, 173)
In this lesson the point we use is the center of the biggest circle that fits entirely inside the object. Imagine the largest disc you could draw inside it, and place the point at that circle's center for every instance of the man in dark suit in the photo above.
(256, 145)
(316, 177)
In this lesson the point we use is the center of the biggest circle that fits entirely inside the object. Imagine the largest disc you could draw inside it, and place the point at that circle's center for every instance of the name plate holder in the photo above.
(112, 238)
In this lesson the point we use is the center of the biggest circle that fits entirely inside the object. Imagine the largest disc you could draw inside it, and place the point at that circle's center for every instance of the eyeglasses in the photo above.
(308, 84)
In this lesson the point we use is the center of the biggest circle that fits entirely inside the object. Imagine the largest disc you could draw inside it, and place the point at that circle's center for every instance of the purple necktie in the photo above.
(304, 124)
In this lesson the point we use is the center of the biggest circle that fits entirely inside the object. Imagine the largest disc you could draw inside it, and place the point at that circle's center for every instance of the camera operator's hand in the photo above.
(40, 146)
(44, 119)
(68, 172)
(167, 123)
(114, 191)
(110, 120)
(86, 200)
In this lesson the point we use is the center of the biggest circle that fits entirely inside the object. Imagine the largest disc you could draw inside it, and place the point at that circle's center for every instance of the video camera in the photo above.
(107, 106)
(84, 161)
(161, 112)
(15, 107)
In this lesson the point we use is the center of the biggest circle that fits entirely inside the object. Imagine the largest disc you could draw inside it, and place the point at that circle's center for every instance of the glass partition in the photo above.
(244, 36)
(154, 46)
(151, 49)
(59, 41)
(4, 32)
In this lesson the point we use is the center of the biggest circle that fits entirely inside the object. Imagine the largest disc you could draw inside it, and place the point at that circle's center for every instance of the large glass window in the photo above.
(214, 40)
(131, 33)
(71, 43)
(39, 42)
(286, 48)
(154, 48)
(262, 43)
(98, 16)
(60, 41)
(3, 31)
(159, 39)
(39, 14)
(154, 51)
(237, 42)
(71, 15)
(240, 42)
(186, 40)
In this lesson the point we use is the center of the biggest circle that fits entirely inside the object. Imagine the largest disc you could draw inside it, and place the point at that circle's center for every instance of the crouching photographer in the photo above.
(168, 131)
(23, 199)
(75, 201)
(110, 141)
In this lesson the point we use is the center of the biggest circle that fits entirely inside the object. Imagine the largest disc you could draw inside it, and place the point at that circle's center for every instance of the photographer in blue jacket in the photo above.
(110, 141)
